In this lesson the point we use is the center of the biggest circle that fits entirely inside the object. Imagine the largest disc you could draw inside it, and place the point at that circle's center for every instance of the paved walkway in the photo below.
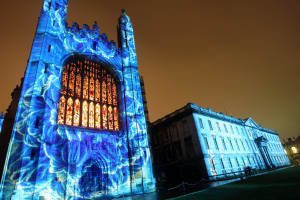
(154, 195)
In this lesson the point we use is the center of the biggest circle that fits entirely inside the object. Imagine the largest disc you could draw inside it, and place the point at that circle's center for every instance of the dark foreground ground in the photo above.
(281, 184)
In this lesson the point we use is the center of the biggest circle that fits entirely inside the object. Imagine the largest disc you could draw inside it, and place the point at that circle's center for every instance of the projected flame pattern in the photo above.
(58, 161)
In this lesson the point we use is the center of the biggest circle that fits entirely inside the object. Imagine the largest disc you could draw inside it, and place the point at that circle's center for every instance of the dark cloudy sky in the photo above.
(240, 55)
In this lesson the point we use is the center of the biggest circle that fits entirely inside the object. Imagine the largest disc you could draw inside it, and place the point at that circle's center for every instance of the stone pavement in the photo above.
(154, 195)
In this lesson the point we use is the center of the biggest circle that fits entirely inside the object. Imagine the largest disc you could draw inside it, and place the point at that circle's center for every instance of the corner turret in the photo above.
(125, 32)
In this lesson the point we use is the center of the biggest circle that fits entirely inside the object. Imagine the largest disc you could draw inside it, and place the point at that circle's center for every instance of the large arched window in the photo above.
(88, 96)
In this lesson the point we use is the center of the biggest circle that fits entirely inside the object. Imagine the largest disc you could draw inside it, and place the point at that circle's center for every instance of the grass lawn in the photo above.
(282, 184)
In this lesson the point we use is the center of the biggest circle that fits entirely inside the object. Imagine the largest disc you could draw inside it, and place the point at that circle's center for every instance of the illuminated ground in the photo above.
(281, 184)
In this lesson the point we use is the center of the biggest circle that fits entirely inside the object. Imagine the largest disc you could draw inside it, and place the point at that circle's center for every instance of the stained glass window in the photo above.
(116, 122)
(85, 87)
(114, 91)
(71, 84)
(64, 82)
(69, 111)
(97, 90)
(97, 117)
(78, 85)
(88, 96)
(76, 112)
(92, 94)
(61, 110)
(104, 116)
(84, 114)
(109, 97)
(91, 115)
(104, 98)
(110, 118)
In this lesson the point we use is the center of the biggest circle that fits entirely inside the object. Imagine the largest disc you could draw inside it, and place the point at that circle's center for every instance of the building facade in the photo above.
(292, 148)
(194, 143)
(79, 128)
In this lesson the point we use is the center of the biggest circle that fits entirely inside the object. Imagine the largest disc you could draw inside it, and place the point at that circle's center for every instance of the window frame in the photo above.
(97, 73)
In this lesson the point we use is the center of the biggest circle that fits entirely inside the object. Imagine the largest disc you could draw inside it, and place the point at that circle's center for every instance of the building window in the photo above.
(254, 145)
(218, 125)
(243, 161)
(247, 145)
(88, 96)
(249, 162)
(206, 142)
(231, 129)
(237, 162)
(185, 125)
(237, 144)
(243, 132)
(215, 142)
(178, 150)
(165, 135)
(237, 130)
(243, 145)
(222, 163)
(167, 153)
(212, 164)
(189, 146)
(230, 163)
(174, 131)
(224, 144)
(210, 126)
(200, 123)
(231, 144)
(294, 149)
(225, 127)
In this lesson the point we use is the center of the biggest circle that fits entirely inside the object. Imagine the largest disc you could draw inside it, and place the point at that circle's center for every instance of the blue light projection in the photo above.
(55, 161)
(1, 121)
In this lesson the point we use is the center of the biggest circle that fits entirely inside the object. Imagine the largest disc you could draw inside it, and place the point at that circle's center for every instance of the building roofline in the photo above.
(194, 108)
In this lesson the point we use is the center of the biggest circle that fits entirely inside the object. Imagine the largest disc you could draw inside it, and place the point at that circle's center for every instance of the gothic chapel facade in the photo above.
(79, 129)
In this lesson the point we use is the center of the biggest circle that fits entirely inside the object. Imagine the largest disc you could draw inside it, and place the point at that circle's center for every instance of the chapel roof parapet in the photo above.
(91, 33)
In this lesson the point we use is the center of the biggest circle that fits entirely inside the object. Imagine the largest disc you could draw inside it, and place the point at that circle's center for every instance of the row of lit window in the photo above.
(88, 96)
(91, 87)
(218, 127)
(224, 143)
(222, 162)
(70, 114)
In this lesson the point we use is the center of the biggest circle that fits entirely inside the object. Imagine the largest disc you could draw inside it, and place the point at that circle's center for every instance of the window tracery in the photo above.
(88, 96)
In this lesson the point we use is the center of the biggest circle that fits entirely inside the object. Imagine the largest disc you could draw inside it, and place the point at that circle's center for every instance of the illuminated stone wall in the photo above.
(56, 161)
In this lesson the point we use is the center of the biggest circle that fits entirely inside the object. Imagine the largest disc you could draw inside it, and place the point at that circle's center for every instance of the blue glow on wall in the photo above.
(58, 161)
(1, 121)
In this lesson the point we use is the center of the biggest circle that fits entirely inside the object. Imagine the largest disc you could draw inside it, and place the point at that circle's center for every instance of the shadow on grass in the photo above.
(281, 184)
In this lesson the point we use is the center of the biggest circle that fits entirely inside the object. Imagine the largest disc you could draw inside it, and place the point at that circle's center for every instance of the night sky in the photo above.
(242, 56)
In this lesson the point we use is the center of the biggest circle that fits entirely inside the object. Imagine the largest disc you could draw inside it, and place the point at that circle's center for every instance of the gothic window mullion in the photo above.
(100, 100)
(88, 98)
(81, 91)
(67, 95)
(74, 95)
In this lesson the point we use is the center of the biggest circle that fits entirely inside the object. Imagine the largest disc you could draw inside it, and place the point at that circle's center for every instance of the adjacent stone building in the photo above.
(194, 143)
(292, 148)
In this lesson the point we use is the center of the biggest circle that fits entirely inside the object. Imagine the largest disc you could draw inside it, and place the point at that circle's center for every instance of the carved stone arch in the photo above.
(93, 177)
(94, 58)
